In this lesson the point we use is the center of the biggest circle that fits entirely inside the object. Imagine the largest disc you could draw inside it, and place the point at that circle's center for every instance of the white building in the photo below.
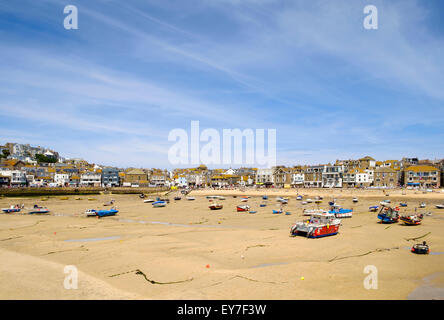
(17, 177)
(61, 179)
(91, 179)
(297, 179)
(332, 176)
(264, 176)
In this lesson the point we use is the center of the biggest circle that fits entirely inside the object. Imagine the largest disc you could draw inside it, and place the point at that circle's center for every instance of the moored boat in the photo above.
(355, 200)
(243, 208)
(341, 213)
(38, 210)
(265, 197)
(308, 212)
(159, 204)
(149, 201)
(191, 198)
(263, 205)
(12, 209)
(440, 206)
(412, 220)
(299, 197)
(402, 204)
(101, 213)
(422, 205)
(421, 248)
(373, 208)
(319, 225)
(278, 211)
(388, 214)
(215, 206)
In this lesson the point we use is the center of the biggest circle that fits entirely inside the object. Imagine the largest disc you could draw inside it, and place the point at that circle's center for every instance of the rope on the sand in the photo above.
(256, 246)
(81, 248)
(364, 254)
(11, 238)
(32, 225)
(413, 239)
(139, 272)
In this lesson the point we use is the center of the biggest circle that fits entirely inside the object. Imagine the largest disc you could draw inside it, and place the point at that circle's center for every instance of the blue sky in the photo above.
(111, 91)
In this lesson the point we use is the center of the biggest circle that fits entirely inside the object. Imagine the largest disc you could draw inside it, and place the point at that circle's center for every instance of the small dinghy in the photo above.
(421, 248)
(177, 198)
(243, 208)
(159, 204)
(278, 211)
(288, 213)
(299, 198)
(304, 203)
(422, 205)
(142, 196)
(244, 199)
(191, 198)
(440, 206)
(265, 197)
(402, 204)
(355, 200)
(252, 212)
(38, 210)
(220, 197)
(109, 203)
(263, 205)
(309, 201)
(12, 209)
(215, 206)
(373, 208)
(149, 201)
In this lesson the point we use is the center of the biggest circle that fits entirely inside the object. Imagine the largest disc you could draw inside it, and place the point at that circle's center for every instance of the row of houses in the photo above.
(77, 173)
(364, 172)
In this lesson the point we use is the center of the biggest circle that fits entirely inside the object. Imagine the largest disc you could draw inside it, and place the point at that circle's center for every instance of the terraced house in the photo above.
(422, 176)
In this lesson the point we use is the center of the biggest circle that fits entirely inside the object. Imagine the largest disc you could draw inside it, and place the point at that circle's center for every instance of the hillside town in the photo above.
(22, 165)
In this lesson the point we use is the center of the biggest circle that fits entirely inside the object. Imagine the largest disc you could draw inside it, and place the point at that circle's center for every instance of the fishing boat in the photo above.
(440, 206)
(215, 206)
(308, 212)
(412, 220)
(299, 198)
(38, 210)
(319, 225)
(282, 200)
(422, 205)
(191, 198)
(101, 213)
(278, 211)
(384, 203)
(265, 197)
(355, 200)
(243, 208)
(373, 208)
(244, 199)
(158, 204)
(12, 209)
(402, 204)
(388, 215)
(421, 248)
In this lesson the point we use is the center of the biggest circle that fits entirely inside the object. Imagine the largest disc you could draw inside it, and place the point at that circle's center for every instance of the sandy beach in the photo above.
(187, 251)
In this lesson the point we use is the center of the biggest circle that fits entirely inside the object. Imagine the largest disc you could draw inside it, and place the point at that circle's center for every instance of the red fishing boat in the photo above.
(319, 225)
(216, 206)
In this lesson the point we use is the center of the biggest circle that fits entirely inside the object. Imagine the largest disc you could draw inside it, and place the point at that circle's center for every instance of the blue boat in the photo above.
(106, 213)
(388, 215)
(287, 213)
(158, 201)
(277, 211)
(342, 213)
(263, 205)
(403, 204)
(265, 197)
(373, 208)
(11, 210)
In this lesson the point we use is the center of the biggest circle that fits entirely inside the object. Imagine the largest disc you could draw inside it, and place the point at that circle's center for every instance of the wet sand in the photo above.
(187, 251)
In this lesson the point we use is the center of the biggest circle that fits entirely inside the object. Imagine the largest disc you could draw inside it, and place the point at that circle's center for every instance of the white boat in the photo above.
(308, 212)
(309, 201)
(91, 213)
(299, 198)
(191, 198)
(304, 202)
(159, 204)
(149, 200)
(319, 225)
(440, 206)
(422, 205)
(355, 200)
(220, 197)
